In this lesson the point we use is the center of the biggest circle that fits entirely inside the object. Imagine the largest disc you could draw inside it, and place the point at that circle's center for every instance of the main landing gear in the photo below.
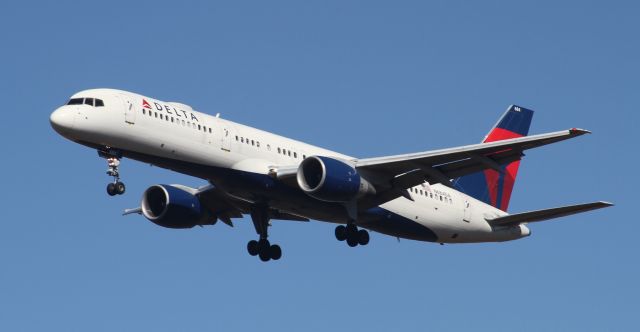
(113, 161)
(352, 235)
(263, 248)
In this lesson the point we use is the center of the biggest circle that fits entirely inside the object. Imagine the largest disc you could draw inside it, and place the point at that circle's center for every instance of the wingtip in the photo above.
(606, 204)
(579, 131)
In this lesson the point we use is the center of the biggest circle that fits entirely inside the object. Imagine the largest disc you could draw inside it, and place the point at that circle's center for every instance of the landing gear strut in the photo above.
(113, 161)
(352, 235)
(263, 248)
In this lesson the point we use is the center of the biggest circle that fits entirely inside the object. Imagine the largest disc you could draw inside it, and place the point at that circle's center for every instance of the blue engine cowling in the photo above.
(331, 180)
(171, 207)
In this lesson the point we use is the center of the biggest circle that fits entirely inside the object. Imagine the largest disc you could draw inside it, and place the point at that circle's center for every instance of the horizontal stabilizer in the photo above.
(542, 215)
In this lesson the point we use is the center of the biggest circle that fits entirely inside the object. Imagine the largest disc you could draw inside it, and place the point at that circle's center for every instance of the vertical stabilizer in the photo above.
(491, 186)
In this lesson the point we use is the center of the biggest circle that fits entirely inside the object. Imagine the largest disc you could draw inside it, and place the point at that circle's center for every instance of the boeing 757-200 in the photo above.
(454, 195)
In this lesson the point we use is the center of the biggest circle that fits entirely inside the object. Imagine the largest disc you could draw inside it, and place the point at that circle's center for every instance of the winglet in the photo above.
(579, 131)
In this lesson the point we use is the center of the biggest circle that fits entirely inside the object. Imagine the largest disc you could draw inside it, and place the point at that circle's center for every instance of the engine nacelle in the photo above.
(171, 207)
(331, 180)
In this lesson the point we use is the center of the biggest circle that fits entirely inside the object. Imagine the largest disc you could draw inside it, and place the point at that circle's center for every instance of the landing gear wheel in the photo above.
(264, 250)
(341, 233)
(263, 245)
(264, 256)
(120, 188)
(252, 247)
(352, 241)
(363, 237)
(111, 189)
(275, 252)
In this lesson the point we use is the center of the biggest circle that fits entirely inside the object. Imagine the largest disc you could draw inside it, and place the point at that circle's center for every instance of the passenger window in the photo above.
(209, 130)
(99, 103)
(160, 116)
(289, 153)
(75, 101)
(253, 142)
(144, 111)
(171, 119)
(241, 139)
(295, 155)
(156, 114)
(88, 101)
(258, 143)
(421, 193)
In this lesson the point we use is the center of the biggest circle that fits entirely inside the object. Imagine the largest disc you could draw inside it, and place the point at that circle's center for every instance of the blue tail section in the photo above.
(490, 186)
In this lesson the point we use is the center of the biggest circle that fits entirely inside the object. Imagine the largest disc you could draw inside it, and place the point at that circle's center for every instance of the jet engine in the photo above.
(331, 180)
(171, 207)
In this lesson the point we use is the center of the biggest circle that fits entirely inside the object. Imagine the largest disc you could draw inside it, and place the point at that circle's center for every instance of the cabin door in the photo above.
(129, 111)
(467, 211)
(226, 139)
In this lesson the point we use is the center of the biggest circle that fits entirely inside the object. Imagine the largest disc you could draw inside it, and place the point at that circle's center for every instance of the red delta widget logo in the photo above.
(171, 110)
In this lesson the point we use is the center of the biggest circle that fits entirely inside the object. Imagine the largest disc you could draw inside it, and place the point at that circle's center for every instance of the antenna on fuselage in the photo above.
(217, 115)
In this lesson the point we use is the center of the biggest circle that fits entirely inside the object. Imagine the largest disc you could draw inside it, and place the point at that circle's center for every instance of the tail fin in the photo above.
(490, 186)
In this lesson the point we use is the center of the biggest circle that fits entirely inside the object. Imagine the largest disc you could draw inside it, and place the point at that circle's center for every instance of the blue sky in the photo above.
(366, 78)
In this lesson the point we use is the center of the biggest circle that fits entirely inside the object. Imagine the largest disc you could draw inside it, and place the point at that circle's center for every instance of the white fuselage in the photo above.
(233, 156)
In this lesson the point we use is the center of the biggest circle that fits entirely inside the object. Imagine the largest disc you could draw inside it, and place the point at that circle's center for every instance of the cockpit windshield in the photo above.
(86, 101)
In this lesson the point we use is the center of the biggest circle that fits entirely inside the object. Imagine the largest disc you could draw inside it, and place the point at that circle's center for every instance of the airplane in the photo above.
(452, 195)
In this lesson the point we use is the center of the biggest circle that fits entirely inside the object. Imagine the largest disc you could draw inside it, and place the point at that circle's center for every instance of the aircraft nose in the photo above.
(62, 120)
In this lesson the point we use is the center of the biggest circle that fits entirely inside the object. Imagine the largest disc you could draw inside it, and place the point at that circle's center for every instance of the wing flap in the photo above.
(546, 214)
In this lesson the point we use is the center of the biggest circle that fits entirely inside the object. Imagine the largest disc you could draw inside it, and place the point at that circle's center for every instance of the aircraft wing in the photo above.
(224, 207)
(392, 175)
(542, 215)
(221, 205)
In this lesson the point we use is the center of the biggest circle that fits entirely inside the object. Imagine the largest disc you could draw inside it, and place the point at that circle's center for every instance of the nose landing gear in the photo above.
(113, 161)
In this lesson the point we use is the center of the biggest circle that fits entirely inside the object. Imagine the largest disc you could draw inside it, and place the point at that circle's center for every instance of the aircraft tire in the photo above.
(120, 188)
(363, 237)
(341, 233)
(252, 248)
(264, 256)
(111, 189)
(275, 252)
